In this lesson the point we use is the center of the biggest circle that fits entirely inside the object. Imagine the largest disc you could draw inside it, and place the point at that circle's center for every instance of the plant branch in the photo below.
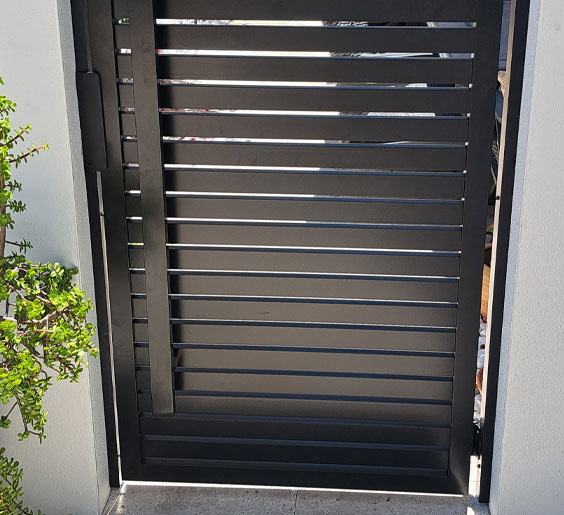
(27, 154)
(18, 135)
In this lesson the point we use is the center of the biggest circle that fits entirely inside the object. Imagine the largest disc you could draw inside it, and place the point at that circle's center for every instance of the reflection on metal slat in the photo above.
(295, 223)
(310, 250)
(381, 70)
(300, 197)
(360, 10)
(313, 39)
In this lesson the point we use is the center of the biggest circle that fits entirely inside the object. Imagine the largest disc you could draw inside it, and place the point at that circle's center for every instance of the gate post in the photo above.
(474, 221)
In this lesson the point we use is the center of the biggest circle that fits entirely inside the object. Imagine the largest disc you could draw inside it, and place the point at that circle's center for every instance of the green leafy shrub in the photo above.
(44, 333)
(10, 495)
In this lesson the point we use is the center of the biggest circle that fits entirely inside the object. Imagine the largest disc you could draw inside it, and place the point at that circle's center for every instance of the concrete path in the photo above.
(160, 499)
(145, 499)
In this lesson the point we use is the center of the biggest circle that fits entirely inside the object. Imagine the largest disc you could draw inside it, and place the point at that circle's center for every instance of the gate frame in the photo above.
(516, 52)
(116, 324)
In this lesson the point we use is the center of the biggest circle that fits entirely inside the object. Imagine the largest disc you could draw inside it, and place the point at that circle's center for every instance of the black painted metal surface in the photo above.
(92, 121)
(151, 183)
(304, 256)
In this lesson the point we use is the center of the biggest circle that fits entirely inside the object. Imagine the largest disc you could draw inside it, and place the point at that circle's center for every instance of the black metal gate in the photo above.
(294, 235)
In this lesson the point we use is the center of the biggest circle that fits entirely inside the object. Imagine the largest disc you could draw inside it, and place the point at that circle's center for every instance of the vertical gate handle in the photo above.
(145, 87)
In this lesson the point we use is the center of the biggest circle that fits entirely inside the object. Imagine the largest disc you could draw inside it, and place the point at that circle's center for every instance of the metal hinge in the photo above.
(91, 121)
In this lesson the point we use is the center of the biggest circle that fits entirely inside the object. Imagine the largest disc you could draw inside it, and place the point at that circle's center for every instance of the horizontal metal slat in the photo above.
(304, 286)
(311, 209)
(383, 411)
(437, 186)
(371, 476)
(275, 188)
(300, 428)
(306, 324)
(286, 383)
(315, 237)
(307, 337)
(425, 366)
(263, 451)
(350, 99)
(318, 351)
(362, 10)
(302, 300)
(359, 241)
(398, 265)
(291, 442)
(286, 263)
(351, 128)
(382, 70)
(315, 39)
(254, 222)
(280, 249)
(211, 283)
(371, 157)
(315, 312)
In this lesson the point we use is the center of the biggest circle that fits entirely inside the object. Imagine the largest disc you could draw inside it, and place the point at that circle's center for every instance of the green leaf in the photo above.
(46, 336)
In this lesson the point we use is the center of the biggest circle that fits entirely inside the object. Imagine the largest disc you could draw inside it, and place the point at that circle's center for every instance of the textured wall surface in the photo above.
(528, 474)
(67, 474)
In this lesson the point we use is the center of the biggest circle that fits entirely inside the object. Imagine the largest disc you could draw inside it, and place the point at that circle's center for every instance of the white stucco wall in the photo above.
(528, 472)
(67, 474)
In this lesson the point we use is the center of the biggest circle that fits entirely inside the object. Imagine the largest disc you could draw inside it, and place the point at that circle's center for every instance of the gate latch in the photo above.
(91, 121)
